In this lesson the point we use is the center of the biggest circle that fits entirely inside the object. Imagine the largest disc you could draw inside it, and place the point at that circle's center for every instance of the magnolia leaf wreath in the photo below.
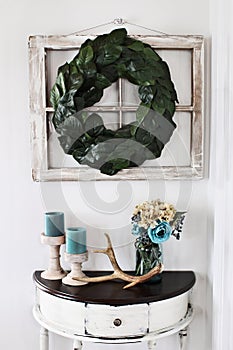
(81, 83)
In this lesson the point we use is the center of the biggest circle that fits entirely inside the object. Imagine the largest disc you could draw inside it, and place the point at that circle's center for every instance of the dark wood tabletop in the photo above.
(172, 284)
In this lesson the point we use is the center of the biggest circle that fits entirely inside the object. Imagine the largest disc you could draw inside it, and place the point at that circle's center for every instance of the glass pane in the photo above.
(177, 150)
(111, 119)
(128, 117)
(180, 65)
(130, 94)
(110, 96)
(55, 59)
(56, 156)
(175, 153)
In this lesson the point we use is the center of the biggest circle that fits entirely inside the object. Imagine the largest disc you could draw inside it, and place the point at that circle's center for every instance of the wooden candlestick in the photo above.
(76, 261)
(54, 271)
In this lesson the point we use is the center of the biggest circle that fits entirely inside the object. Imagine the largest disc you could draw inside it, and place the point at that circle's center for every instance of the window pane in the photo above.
(180, 65)
(55, 59)
(56, 156)
(177, 150)
(130, 94)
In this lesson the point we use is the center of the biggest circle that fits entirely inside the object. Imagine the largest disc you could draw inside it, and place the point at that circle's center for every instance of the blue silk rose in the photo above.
(160, 233)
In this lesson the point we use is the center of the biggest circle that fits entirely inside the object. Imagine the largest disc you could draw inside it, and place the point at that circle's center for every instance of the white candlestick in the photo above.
(76, 261)
(54, 271)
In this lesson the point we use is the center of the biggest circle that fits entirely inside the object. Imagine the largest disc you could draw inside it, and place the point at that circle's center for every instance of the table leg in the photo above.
(44, 339)
(151, 345)
(183, 338)
(77, 345)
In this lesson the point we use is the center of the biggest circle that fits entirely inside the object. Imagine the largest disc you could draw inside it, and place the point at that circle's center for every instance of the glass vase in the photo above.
(148, 255)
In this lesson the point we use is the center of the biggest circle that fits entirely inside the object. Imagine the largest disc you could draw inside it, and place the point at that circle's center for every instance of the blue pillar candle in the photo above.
(54, 224)
(76, 240)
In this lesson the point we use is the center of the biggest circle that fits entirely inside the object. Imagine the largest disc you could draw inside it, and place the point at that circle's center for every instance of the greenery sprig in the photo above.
(81, 83)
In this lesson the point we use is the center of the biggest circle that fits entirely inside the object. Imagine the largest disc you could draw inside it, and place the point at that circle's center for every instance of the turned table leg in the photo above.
(77, 345)
(151, 345)
(183, 338)
(44, 339)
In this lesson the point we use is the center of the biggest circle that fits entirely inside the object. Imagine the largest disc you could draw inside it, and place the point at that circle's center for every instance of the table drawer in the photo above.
(121, 321)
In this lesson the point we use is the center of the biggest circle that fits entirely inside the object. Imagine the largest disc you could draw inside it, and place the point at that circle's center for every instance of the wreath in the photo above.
(81, 83)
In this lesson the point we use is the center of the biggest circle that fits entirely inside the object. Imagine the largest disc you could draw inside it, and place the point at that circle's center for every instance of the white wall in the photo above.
(24, 202)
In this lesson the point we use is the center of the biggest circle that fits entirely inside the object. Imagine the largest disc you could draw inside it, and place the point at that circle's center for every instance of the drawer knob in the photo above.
(117, 322)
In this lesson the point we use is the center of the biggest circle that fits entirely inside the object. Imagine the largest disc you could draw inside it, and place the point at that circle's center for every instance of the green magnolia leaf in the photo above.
(123, 150)
(110, 72)
(158, 108)
(143, 136)
(136, 46)
(151, 54)
(146, 94)
(167, 84)
(79, 103)
(157, 70)
(142, 111)
(112, 167)
(73, 69)
(94, 125)
(165, 92)
(71, 126)
(60, 115)
(109, 55)
(142, 77)
(76, 81)
(155, 147)
(135, 63)
(66, 143)
(78, 150)
(121, 70)
(105, 136)
(171, 107)
(165, 70)
(99, 42)
(160, 100)
(65, 70)
(89, 70)
(85, 55)
(97, 154)
(102, 82)
(124, 132)
(130, 151)
(60, 81)
(92, 96)
(117, 36)
(132, 67)
(68, 99)
(55, 96)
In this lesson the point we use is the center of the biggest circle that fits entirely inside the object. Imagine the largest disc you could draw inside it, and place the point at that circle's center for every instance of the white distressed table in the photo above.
(105, 313)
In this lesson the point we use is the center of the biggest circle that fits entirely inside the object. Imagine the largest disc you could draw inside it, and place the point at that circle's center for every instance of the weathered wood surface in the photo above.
(54, 271)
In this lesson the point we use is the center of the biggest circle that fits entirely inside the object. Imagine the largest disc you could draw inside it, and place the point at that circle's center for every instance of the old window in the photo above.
(182, 157)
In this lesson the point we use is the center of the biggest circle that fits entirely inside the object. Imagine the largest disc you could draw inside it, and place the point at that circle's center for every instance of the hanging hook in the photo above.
(119, 21)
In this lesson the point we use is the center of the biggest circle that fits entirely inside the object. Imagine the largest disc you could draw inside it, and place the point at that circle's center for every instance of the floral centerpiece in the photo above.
(154, 222)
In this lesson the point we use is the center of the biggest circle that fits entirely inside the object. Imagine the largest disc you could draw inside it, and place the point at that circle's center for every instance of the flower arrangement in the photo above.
(159, 219)
(154, 222)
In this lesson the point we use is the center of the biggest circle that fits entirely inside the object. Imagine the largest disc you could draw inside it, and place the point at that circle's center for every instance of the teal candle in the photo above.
(54, 224)
(76, 240)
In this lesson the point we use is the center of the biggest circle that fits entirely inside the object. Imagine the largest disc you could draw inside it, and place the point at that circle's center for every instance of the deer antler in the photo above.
(118, 273)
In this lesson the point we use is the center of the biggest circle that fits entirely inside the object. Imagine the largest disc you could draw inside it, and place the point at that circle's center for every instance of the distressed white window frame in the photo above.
(39, 110)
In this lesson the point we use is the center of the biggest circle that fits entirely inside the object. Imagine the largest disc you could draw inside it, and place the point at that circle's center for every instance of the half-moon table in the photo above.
(106, 313)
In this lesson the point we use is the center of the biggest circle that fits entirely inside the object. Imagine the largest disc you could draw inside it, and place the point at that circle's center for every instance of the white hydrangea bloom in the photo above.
(152, 212)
